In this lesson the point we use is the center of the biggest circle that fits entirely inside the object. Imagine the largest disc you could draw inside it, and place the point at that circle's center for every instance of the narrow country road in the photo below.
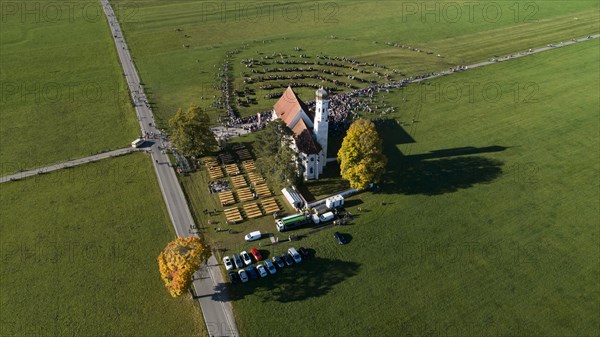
(217, 311)
(510, 57)
(66, 164)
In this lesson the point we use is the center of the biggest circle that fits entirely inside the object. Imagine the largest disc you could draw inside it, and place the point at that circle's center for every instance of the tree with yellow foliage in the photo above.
(361, 155)
(178, 261)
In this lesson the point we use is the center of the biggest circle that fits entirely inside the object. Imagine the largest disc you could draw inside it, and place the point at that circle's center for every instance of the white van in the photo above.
(294, 254)
(253, 236)
(136, 143)
(326, 217)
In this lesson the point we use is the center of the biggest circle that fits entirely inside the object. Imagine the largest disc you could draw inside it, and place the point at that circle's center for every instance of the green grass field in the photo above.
(489, 221)
(79, 251)
(63, 94)
(177, 76)
(486, 224)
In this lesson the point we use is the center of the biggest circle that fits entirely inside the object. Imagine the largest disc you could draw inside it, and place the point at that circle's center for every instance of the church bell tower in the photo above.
(321, 126)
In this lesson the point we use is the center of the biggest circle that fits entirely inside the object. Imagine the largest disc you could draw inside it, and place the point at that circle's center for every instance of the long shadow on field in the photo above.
(434, 172)
(329, 183)
(312, 277)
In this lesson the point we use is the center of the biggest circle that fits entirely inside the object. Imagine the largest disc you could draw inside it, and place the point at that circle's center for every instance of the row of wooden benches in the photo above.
(245, 194)
(216, 172)
(252, 211)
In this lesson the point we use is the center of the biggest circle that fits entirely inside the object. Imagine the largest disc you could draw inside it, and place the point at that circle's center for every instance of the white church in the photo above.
(310, 132)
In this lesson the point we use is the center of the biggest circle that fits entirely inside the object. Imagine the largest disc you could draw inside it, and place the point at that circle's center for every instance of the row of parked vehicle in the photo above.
(247, 271)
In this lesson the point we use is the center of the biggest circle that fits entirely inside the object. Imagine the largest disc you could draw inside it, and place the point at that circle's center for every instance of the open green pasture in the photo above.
(79, 251)
(62, 90)
(486, 224)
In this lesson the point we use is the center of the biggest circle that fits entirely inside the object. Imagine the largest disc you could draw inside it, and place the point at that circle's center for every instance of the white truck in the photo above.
(325, 217)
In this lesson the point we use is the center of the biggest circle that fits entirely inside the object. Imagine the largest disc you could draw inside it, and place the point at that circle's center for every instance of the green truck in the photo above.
(291, 221)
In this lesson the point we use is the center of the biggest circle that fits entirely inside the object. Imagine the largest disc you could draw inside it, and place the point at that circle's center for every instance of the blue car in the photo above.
(252, 272)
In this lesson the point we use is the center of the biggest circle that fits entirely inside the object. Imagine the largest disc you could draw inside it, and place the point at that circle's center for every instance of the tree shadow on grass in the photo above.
(313, 277)
(431, 177)
(436, 172)
(329, 183)
(352, 202)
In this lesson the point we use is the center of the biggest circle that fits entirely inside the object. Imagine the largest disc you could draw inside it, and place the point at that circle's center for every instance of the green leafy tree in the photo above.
(361, 156)
(190, 132)
(276, 159)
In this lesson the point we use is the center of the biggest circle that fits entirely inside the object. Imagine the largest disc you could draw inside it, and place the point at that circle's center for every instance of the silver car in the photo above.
(227, 262)
(261, 270)
(246, 258)
(270, 267)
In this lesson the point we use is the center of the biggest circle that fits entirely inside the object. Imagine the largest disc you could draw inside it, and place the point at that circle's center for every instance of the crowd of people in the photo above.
(226, 88)
(398, 45)
(299, 85)
(355, 62)
(218, 186)
(343, 107)
(254, 122)
(458, 68)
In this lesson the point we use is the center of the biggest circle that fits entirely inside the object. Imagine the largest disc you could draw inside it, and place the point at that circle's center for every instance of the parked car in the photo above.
(227, 262)
(238, 262)
(256, 254)
(288, 260)
(340, 238)
(294, 254)
(246, 258)
(233, 277)
(278, 261)
(243, 275)
(253, 236)
(304, 252)
(261, 270)
(252, 272)
(270, 267)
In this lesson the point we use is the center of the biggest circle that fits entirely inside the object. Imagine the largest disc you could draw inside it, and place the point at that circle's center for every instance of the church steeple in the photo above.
(321, 125)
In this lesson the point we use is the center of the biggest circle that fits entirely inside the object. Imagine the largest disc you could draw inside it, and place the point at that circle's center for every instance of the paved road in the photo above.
(66, 164)
(217, 311)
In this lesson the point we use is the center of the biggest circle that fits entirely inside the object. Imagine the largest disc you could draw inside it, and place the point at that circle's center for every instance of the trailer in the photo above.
(343, 194)
(334, 201)
(293, 197)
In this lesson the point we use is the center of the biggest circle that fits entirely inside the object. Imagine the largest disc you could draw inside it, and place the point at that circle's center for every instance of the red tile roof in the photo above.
(299, 127)
(288, 106)
(286, 109)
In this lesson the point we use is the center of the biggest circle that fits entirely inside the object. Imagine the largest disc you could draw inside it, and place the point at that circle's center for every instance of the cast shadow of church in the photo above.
(436, 172)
